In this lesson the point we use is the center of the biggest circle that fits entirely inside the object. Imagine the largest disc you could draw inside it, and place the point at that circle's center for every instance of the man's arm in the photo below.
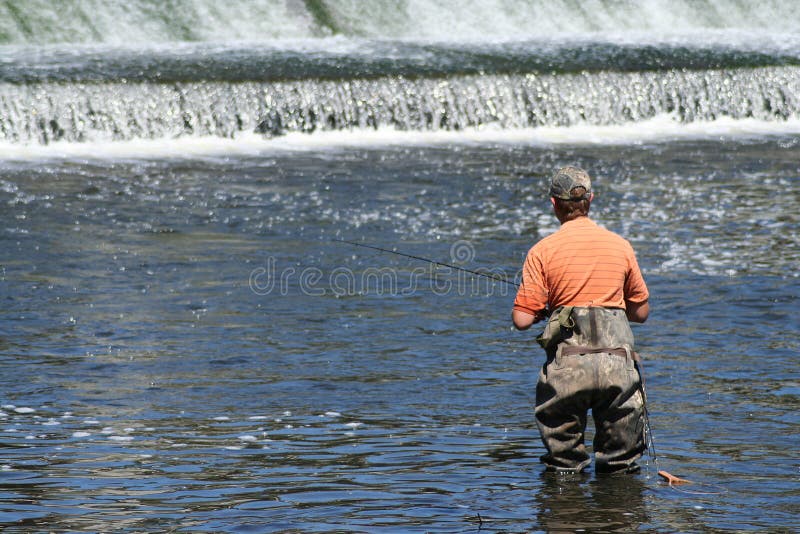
(637, 312)
(635, 288)
(523, 320)
(531, 300)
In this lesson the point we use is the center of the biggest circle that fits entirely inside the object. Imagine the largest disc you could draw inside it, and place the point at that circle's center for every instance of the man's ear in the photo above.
(553, 201)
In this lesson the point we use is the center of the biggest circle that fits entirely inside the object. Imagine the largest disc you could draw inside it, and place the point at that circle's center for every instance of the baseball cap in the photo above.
(568, 178)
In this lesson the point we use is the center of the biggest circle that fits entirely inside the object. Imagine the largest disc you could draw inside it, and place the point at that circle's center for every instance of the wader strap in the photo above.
(565, 317)
(593, 335)
(642, 388)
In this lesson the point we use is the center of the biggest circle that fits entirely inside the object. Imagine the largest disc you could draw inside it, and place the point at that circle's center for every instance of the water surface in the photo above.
(154, 377)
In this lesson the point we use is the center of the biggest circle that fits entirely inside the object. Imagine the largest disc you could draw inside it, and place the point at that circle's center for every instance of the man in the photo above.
(587, 280)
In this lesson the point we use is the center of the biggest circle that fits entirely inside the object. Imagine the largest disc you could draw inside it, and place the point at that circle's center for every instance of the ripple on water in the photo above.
(148, 388)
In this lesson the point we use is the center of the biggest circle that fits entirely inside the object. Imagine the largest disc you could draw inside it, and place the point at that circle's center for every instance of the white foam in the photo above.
(500, 20)
(80, 434)
(24, 410)
(131, 24)
(663, 128)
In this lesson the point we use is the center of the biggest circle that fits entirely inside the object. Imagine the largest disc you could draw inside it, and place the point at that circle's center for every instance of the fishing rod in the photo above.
(493, 276)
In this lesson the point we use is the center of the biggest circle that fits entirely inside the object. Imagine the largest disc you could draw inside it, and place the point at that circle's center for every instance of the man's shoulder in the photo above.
(547, 241)
(583, 231)
(587, 232)
(603, 232)
(610, 234)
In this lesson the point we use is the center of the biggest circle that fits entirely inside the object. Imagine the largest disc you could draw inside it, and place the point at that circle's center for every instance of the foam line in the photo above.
(660, 129)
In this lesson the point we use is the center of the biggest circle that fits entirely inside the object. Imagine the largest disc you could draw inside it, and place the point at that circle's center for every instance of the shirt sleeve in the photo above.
(635, 289)
(532, 293)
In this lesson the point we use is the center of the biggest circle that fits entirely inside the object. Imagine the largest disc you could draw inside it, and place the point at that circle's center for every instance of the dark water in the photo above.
(185, 348)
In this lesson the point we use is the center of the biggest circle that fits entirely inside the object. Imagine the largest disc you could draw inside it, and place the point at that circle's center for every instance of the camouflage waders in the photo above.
(590, 366)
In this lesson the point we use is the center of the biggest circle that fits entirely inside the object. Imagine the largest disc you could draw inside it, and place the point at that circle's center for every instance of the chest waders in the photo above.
(590, 366)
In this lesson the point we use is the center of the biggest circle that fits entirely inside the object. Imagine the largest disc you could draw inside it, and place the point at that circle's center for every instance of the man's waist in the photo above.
(608, 306)
(574, 350)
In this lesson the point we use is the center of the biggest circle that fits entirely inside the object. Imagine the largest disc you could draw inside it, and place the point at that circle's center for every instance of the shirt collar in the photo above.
(580, 222)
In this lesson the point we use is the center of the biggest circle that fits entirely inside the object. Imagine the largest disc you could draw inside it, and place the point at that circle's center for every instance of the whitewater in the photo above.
(195, 70)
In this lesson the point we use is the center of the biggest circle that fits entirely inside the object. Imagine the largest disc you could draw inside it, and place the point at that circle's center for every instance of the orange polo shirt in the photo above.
(581, 264)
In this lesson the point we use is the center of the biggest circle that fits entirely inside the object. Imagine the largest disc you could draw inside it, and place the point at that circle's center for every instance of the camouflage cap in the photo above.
(568, 178)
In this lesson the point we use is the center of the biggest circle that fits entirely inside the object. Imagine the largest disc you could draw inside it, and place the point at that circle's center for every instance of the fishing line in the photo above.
(434, 262)
(649, 442)
(672, 481)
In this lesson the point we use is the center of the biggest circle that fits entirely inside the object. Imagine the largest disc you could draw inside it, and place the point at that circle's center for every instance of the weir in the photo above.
(41, 113)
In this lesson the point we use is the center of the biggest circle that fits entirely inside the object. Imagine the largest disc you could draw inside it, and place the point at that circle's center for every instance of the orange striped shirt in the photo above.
(581, 264)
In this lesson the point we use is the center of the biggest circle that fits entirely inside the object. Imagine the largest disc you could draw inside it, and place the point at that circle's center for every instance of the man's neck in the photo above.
(579, 217)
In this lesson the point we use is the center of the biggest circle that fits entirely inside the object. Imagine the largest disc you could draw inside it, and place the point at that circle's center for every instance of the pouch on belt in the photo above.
(559, 326)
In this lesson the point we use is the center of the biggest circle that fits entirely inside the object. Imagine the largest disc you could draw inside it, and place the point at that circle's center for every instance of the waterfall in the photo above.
(47, 112)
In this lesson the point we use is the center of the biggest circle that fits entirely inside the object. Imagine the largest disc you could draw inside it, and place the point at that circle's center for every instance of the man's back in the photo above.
(583, 264)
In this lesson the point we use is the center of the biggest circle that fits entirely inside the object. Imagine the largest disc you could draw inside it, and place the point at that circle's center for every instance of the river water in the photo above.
(186, 345)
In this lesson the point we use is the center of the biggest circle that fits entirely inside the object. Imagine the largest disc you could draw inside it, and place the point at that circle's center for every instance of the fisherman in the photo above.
(585, 282)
